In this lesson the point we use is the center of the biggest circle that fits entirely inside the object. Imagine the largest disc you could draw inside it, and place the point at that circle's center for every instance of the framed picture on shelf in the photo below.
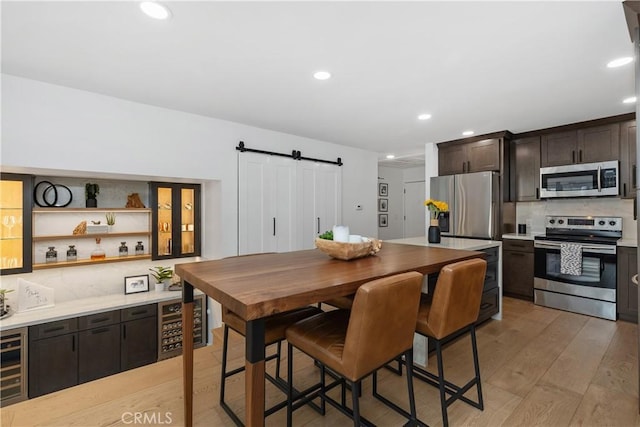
(383, 220)
(383, 189)
(383, 205)
(136, 284)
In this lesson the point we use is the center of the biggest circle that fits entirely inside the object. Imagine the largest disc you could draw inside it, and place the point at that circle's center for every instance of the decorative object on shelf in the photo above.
(163, 276)
(98, 253)
(139, 248)
(435, 207)
(111, 220)
(51, 195)
(383, 189)
(80, 228)
(188, 206)
(347, 251)
(133, 201)
(72, 253)
(97, 228)
(136, 284)
(4, 307)
(123, 250)
(383, 220)
(90, 192)
(51, 255)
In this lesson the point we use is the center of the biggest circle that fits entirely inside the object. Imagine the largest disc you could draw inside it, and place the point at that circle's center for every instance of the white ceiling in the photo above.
(486, 66)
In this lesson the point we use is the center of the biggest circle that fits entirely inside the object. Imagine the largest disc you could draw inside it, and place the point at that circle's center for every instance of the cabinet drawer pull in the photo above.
(57, 328)
(102, 319)
(634, 279)
(485, 305)
(517, 254)
(99, 331)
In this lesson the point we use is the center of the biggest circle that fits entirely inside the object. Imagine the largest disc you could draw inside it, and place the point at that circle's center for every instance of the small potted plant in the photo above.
(90, 192)
(111, 220)
(163, 276)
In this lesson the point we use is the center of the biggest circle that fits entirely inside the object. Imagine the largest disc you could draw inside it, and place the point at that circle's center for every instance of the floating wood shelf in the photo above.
(89, 262)
(91, 235)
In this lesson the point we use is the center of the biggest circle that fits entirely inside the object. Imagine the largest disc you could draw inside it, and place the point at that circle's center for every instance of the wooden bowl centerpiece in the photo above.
(346, 251)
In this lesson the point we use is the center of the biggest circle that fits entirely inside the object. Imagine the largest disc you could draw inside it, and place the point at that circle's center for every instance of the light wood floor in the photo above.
(539, 367)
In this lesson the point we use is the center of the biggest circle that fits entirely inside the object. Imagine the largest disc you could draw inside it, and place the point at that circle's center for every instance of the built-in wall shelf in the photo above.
(88, 210)
(90, 261)
(90, 235)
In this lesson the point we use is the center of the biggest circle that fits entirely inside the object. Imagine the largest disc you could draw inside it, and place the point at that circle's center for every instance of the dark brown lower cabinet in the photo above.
(72, 351)
(53, 357)
(627, 292)
(139, 333)
(517, 268)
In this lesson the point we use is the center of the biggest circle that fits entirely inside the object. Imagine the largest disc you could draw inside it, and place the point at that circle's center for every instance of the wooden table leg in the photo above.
(187, 352)
(254, 374)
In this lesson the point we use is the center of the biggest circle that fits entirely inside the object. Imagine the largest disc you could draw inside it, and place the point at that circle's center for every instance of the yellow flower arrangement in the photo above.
(436, 206)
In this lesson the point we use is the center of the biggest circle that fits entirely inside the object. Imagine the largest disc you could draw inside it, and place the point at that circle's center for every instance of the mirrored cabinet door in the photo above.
(15, 225)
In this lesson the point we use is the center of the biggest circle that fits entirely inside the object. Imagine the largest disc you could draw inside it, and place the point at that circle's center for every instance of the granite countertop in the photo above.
(84, 307)
(449, 243)
(516, 236)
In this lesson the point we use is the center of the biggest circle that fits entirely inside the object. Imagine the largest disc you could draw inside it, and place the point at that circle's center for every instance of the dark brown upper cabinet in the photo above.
(476, 156)
(587, 145)
(526, 156)
(628, 166)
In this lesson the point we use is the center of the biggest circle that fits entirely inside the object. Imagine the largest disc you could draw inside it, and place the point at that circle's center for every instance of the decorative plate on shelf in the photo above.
(346, 251)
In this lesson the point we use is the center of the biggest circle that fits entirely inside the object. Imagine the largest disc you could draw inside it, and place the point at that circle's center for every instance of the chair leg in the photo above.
(443, 397)
(278, 359)
(290, 387)
(408, 357)
(355, 393)
(476, 363)
(223, 370)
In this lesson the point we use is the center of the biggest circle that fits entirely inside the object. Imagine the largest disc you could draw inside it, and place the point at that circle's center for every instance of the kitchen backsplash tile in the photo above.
(536, 212)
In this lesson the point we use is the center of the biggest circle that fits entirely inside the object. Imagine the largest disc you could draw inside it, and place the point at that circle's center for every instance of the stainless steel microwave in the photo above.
(580, 180)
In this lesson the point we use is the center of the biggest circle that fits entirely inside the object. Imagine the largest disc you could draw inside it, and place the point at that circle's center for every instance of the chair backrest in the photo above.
(456, 299)
(382, 323)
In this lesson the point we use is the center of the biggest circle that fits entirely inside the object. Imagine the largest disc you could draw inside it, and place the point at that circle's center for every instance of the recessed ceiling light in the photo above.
(322, 75)
(629, 100)
(390, 156)
(468, 133)
(424, 116)
(619, 62)
(155, 10)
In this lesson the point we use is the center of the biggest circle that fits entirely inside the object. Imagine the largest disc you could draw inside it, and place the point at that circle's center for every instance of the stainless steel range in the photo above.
(575, 265)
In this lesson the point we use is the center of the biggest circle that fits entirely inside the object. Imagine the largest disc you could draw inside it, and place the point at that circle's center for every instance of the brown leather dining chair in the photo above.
(354, 343)
(453, 312)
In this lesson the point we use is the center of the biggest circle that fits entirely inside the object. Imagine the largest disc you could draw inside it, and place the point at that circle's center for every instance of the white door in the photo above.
(414, 210)
(266, 204)
(319, 200)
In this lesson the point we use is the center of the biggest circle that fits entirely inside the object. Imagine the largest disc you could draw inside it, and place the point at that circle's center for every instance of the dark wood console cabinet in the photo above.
(72, 351)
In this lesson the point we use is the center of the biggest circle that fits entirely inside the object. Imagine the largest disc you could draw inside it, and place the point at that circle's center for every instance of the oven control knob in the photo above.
(601, 222)
(552, 221)
(612, 223)
(561, 221)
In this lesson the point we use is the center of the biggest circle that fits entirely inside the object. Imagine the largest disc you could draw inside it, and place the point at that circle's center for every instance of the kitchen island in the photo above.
(494, 272)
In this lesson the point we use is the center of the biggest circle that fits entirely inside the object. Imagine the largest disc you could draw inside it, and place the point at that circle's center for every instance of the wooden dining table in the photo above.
(255, 287)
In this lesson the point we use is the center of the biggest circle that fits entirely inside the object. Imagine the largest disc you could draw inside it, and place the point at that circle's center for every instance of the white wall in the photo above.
(396, 179)
(55, 130)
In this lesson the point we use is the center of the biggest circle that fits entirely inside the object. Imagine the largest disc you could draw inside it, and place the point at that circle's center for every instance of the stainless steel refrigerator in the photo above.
(473, 200)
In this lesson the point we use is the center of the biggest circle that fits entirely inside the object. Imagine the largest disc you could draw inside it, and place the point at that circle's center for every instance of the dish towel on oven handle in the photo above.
(571, 259)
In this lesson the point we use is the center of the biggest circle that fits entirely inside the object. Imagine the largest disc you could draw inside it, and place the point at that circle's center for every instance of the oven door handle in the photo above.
(599, 183)
(585, 248)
